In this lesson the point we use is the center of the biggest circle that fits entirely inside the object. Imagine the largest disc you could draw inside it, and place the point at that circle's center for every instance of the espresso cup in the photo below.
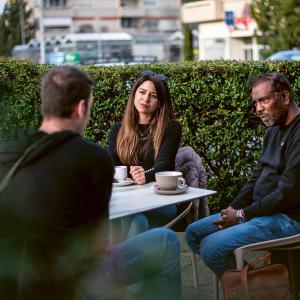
(170, 180)
(120, 173)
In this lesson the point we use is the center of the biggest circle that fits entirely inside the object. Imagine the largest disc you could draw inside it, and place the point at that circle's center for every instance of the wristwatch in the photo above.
(240, 216)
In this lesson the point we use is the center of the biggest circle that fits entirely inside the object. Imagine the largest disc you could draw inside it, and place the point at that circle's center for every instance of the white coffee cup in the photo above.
(120, 173)
(170, 180)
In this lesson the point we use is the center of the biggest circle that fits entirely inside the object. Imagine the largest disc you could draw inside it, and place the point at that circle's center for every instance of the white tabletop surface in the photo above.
(132, 199)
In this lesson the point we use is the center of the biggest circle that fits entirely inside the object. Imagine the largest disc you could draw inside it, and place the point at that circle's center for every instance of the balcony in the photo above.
(162, 12)
(202, 11)
(57, 13)
(90, 10)
(134, 8)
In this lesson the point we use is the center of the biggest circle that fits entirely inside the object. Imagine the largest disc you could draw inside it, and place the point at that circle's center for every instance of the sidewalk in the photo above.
(205, 289)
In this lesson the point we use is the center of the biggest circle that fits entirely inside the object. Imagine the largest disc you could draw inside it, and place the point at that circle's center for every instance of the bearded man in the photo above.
(268, 205)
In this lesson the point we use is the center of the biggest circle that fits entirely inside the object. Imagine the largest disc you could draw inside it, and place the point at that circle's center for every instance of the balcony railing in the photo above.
(62, 12)
(202, 11)
(132, 11)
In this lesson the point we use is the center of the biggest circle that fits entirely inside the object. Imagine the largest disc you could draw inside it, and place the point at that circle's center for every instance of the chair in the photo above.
(286, 245)
(190, 164)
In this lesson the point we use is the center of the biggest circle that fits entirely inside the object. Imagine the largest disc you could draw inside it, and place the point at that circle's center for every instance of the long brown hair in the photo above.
(128, 140)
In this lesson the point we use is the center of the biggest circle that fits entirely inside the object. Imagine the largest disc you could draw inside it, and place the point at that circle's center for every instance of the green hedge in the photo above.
(211, 100)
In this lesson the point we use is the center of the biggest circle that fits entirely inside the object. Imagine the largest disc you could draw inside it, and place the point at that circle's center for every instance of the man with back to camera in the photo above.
(54, 211)
(268, 205)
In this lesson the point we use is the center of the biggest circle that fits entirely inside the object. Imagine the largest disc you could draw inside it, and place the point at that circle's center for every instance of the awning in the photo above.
(57, 22)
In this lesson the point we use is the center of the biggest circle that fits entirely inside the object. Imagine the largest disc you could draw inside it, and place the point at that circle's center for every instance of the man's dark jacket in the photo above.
(50, 213)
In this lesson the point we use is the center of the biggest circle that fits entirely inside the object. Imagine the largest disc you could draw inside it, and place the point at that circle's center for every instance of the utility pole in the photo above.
(229, 20)
(98, 29)
(22, 23)
(42, 39)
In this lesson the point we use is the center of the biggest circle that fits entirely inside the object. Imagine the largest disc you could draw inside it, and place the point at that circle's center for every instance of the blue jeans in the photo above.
(152, 258)
(216, 246)
(132, 225)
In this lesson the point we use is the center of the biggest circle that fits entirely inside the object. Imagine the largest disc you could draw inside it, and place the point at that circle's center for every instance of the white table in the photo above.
(132, 199)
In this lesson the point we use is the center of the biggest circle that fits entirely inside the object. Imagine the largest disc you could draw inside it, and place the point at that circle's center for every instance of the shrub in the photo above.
(211, 100)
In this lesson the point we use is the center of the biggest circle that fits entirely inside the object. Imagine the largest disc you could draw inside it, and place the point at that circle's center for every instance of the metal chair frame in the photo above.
(287, 244)
(194, 207)
(183, 214)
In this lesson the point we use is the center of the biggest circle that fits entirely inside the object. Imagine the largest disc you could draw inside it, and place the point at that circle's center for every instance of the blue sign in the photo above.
(56, 58)
(229, 18)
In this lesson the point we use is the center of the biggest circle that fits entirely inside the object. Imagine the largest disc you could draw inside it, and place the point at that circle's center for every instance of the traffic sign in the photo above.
(72, 57)
(229, 18)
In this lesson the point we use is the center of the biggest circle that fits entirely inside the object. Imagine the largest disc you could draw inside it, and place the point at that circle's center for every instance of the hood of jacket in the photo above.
(13, 146)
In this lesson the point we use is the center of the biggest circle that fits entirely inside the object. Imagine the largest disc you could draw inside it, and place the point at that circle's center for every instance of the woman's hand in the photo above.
(138, 174)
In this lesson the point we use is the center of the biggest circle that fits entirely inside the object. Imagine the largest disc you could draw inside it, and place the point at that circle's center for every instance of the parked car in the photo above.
(285, 55)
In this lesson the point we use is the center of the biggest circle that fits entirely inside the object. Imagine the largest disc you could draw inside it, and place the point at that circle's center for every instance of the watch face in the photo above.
(240, 219)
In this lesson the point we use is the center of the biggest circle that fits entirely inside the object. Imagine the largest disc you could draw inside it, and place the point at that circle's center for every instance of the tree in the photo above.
(10, 26)
(187, 43)
(279, 23)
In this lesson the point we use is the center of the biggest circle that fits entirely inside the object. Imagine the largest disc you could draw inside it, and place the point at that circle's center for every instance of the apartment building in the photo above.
(225, 28)
(151, 23)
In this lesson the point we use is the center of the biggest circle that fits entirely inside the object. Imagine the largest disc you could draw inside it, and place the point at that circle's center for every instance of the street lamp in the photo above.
(22, 22)
(42, 39)
(98, 29)
(229, 20)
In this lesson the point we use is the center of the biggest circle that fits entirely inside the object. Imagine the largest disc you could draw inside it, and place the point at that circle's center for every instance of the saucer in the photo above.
(169, 192)
(128, 181)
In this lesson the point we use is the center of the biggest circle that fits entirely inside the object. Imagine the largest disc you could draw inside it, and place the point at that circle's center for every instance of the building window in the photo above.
(124, 2)
(151, 3)
(86, 28)
(130, 22)
(128, 3)
(214, 48)
(54, 3)
(187, 1)
(151, 25)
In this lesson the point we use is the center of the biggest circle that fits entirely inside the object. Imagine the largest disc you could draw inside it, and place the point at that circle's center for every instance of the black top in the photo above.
(274, 186)
(165, 160)
(50, 212)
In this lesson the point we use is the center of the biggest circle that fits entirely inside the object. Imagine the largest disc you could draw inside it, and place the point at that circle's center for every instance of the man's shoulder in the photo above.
(83, 152)
(272, 130)
(296, 124)
(21, 136)
(15, 143)
(86, 145)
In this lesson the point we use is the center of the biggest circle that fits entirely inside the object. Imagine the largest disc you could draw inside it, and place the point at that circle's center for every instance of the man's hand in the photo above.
(228, 218)
(138, 174)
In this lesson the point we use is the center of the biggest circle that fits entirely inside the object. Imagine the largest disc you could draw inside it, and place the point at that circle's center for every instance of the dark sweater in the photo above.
(274, 186)
(50, 212)
(165, 160)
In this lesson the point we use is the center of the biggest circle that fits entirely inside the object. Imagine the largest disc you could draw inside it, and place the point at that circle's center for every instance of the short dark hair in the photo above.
(62, 88)
(278, 81)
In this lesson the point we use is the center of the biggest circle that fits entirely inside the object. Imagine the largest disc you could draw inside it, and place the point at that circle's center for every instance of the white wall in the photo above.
(233, 41)
(149, 49)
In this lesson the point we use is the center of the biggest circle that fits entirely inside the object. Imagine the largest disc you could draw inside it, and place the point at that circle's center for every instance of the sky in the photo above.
(1, 5)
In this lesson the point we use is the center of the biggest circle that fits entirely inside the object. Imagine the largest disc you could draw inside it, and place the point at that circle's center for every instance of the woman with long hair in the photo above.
(146, 141)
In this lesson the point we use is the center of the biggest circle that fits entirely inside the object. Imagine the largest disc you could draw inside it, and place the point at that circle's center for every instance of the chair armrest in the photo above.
(286, 243)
